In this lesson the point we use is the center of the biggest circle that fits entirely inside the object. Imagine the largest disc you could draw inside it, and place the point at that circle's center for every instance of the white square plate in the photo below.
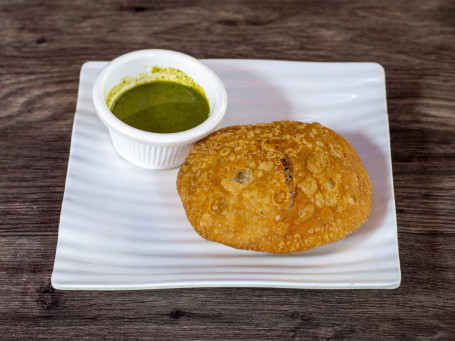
(123, 227)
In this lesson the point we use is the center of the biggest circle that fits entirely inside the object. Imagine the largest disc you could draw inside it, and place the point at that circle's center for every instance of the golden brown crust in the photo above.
(277, 187)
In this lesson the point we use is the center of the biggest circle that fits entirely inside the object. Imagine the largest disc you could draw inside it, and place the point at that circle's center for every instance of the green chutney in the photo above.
(162, 107)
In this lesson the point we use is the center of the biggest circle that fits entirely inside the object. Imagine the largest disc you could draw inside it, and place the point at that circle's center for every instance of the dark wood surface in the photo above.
(43, 45)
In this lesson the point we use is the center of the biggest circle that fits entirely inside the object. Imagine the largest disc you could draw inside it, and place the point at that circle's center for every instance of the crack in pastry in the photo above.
(288, 181)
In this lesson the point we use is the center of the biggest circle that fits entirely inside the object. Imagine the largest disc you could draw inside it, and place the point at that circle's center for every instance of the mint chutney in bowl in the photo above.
(162, 107)
(157, 104)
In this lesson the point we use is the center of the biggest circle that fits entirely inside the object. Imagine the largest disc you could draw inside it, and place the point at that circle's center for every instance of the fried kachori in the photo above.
(277, 187)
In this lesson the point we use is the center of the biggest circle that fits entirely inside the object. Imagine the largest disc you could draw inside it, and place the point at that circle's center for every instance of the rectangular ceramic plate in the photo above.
(123, 227)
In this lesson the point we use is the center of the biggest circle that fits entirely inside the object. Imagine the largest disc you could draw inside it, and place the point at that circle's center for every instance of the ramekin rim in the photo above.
(168, 139)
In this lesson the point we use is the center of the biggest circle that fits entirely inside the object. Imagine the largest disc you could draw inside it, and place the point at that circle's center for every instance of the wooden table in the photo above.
(43, 45)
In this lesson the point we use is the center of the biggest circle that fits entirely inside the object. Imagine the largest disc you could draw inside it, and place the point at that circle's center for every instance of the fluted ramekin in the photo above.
(156, 150)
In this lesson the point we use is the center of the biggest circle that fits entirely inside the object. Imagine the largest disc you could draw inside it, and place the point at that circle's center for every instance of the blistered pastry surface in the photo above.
(277, 187)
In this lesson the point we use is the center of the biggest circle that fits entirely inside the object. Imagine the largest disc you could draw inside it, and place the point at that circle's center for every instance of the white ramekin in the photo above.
(154, 150)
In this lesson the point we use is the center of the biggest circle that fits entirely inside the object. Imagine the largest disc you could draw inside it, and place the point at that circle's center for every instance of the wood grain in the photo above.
(43, 45)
